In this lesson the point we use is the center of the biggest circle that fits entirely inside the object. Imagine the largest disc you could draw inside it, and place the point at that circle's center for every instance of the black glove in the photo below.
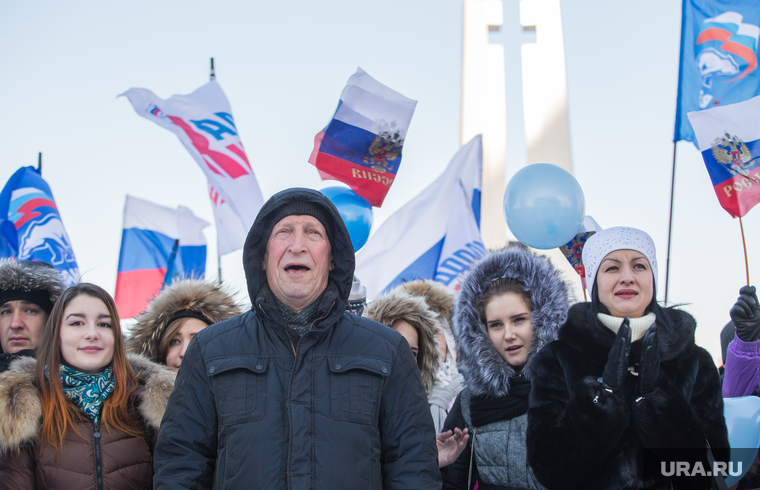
(617, 360)
(746, 315)
(650, 363)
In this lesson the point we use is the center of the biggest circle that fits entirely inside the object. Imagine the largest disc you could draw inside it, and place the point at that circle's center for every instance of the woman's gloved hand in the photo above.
(746, 315)
(616, 368)
(650, 363)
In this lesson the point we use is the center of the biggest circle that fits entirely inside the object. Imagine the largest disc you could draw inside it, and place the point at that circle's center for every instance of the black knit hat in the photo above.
(35, 282)
(303, 208)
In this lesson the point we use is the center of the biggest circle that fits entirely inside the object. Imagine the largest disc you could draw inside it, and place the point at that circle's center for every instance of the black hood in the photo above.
(255, 245)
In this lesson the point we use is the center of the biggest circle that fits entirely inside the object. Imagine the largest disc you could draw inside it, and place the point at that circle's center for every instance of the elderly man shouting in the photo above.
(298, 393)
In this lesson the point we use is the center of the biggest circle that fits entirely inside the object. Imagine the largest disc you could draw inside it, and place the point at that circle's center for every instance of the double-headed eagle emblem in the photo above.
(385, 149)
(733, 154)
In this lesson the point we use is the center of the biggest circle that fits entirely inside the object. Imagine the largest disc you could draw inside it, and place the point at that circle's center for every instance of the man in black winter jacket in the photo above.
(28, 291)
(298, 393)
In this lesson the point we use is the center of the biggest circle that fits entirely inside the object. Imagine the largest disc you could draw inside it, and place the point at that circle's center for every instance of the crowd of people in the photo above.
(504, 385)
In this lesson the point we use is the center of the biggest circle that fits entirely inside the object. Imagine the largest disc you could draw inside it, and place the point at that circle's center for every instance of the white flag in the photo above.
(434, 236)
(203, 122)
(230, 231)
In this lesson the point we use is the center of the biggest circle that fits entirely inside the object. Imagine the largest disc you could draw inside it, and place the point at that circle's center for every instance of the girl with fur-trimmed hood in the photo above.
(163, 332)
(85, 414)
(449, 381)
(511, 304)
(411, 317)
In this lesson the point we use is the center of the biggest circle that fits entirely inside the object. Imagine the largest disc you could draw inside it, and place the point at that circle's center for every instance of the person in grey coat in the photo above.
(511, 304)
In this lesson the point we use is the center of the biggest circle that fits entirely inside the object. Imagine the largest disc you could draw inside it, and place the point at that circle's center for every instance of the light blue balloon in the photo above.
(743, 422)
(544, 206)
(355, 211)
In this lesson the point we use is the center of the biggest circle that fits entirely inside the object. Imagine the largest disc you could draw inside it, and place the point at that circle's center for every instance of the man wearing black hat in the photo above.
(298, 393)
(27, 293)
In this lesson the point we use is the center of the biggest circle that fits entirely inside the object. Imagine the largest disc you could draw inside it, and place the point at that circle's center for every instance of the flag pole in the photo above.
(744, 243)
(585, 297)
(39, 162)
(212, 77)
(670, 222)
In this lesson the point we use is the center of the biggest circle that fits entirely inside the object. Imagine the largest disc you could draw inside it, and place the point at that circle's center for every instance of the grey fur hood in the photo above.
(21, 409)
(485, 371)
(400, 305)
(204, 297)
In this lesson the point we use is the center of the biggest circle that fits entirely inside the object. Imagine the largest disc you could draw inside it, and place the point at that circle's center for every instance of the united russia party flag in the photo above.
(31, 226)
(436, 235)
(204, 124)
(719, 52)
(729, 139)
(149, 234)
(362, 144)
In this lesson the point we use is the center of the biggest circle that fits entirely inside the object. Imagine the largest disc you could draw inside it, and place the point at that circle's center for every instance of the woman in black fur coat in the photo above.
(613, 402)
(511, 304)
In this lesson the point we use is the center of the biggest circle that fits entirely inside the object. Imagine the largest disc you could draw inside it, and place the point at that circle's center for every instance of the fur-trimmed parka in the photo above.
(580, 436)
(203, 297)
(400, 305)
(28, 463)
(500, 459)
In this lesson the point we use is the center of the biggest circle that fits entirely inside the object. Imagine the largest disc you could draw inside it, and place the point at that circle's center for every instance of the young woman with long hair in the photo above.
(84, 414)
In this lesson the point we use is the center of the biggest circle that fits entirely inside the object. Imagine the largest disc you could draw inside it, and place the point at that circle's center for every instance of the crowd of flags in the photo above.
(436, 235)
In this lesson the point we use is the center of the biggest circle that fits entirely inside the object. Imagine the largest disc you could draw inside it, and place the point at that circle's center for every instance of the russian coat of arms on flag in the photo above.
(362, 144)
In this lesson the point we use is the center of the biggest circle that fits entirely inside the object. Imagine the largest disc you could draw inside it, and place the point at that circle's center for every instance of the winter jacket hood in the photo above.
(484, 369)
(437, 296)
(400, 305)
(201, 297)
(342, 274)
(21, 409)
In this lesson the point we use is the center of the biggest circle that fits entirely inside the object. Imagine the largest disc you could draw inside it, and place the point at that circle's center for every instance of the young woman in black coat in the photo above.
(624, 391)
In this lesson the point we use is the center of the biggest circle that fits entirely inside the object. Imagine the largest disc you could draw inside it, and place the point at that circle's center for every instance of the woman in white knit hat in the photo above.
(623, 382)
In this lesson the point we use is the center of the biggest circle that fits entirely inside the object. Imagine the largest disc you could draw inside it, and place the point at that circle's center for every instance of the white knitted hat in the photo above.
(600, 244)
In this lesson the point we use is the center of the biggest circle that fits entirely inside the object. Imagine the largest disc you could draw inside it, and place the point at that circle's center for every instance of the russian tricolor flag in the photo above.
(729, 139)
(149, 234)
(362, 144)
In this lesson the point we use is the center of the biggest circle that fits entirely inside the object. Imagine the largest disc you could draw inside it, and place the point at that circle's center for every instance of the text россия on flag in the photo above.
(362, 144)
(729, 139)
(204, 124)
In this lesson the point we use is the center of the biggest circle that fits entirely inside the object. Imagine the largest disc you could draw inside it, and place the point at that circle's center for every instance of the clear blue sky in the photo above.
(283, 65)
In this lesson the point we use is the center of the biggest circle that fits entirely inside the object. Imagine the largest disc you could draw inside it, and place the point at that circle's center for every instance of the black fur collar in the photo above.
(595, 340)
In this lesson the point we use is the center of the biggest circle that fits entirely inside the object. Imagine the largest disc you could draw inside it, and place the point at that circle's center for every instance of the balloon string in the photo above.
(744, 244)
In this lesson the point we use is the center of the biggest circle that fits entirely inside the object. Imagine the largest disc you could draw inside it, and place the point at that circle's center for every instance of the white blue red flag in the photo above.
(719, 53)
(729, 139)
(362, 145)
(149, 234)
(434, 236)
(203, 122)
(31, 226)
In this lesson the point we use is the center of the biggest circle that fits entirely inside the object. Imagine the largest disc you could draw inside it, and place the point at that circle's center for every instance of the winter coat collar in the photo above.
(21, 410)
(256, 242)
(484, 369)
(676, 336)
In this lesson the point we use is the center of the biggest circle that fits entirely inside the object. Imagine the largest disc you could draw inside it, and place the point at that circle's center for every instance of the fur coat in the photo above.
(203, 297)
(29, 463)
(400, 305)
(580, 436)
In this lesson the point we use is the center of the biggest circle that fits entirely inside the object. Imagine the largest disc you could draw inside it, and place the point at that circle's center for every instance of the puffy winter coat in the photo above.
(342, 408)
(581, 437)
(124, 461)
(500, 459)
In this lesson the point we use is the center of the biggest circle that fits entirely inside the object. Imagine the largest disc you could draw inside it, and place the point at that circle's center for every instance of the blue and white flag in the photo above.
(719, 53)
(434, 236)
(31, 227)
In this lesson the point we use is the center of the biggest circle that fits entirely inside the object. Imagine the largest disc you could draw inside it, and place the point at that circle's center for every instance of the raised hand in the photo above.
(450, 445)
(650, 363)
(746, 315)
(617, 360)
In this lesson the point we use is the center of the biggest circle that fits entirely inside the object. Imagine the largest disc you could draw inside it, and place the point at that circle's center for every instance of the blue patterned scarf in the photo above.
(87, 391)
